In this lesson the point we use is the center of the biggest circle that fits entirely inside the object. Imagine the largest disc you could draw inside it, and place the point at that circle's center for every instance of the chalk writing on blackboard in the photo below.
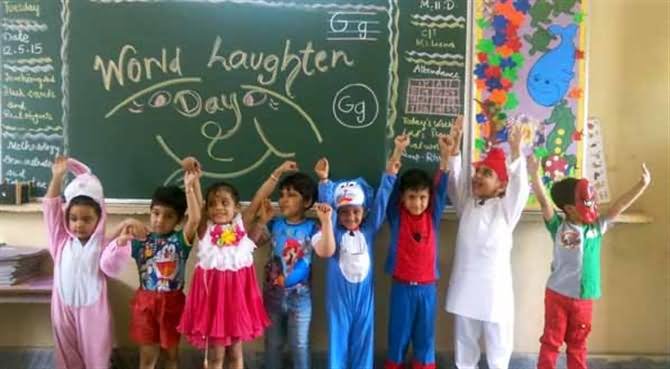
(433, 96)
(437, 5)
(352, 26)
(30, 129)
(356, 106)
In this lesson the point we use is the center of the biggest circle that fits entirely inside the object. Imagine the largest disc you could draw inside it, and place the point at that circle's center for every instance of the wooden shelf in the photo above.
(31, 207)
(34, 291)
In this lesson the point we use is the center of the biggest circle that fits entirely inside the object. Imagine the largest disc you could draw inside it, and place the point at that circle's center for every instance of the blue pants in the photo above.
(351, 332)
(412, 318)
(291, 315)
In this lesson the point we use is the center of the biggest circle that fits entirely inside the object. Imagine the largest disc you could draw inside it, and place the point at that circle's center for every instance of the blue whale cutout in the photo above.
(549, 78)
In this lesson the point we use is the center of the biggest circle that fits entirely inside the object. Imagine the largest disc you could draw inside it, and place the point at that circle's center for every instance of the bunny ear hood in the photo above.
(85, 183)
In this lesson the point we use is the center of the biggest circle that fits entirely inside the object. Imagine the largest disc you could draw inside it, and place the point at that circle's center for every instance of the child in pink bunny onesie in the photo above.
(80, 311)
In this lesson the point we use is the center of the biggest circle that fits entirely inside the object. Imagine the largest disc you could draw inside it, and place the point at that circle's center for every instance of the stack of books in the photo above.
(20, 264)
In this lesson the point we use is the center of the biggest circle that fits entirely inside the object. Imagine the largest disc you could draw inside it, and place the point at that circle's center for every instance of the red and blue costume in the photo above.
(413, 264)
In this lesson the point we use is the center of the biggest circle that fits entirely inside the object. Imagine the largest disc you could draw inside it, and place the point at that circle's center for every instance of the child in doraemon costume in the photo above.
(349, 275)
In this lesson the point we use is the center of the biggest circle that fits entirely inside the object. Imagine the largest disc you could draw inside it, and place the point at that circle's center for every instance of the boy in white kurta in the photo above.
(480, 293)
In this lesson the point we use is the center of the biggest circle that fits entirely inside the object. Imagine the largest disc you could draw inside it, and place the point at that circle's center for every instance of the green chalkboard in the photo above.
(246, 84)
(432, 59)
(31, 128)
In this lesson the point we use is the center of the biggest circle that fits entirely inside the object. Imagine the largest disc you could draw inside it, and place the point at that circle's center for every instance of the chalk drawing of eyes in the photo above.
(254, 98)
(159, 99)
(273, 105)
(135, 107)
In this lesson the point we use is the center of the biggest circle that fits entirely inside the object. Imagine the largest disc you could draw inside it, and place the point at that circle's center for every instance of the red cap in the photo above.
(496, 161)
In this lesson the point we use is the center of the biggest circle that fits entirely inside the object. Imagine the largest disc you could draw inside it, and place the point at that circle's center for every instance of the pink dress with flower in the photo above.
(224, 304)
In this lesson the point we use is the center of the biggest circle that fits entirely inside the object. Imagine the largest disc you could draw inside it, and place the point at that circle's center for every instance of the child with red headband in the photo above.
(480, 293)
(574, 281)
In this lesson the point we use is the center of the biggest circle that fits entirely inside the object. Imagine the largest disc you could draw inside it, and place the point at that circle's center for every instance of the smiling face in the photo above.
(221, 207)
(416, 201)
(350, 217)
(349, 200)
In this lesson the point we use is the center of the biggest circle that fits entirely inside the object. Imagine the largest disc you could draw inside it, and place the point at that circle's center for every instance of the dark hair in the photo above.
(222, 186)
(172, 197)
(301, 183)
(563, 192)
(416, 180)
(83, 200)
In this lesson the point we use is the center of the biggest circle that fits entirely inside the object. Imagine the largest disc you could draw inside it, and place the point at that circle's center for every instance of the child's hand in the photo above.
(646, 176)
(446, 144)
(401, 142)
(515, 140)
(265, 212)
(59, 166)
(457, 134)
(190, 164)
(138, 229)
(197, 172)
(393, 166)
(323, 212)
(126, 236)
(190, 178)
(532, 164)
(322, 169)
(287, 166)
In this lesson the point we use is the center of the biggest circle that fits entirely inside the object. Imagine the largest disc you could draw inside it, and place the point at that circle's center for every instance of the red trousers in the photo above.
(566, 320)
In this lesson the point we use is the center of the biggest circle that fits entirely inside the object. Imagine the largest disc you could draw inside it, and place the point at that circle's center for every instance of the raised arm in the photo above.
(448, 145)
(326, 186)
(400, 145)
(456, 185)
(191, 164)
(265, 191)
(516, 194)
(52, 205)
(378, 211)
(58, 171)
(538, 189)
(258, 231)
(627, 199)
(325, 245)
(193, 207)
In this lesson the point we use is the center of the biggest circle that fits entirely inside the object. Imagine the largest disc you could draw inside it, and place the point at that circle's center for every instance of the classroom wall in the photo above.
(629, 92)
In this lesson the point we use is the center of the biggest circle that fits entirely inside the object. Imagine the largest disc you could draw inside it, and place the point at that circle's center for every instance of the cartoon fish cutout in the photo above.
(549, 78)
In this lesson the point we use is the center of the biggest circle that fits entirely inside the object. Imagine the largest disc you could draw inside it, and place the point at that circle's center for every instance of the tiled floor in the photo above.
(127, 359)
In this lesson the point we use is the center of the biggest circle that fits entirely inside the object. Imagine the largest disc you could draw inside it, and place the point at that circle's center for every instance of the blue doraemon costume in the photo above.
(349, 276)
